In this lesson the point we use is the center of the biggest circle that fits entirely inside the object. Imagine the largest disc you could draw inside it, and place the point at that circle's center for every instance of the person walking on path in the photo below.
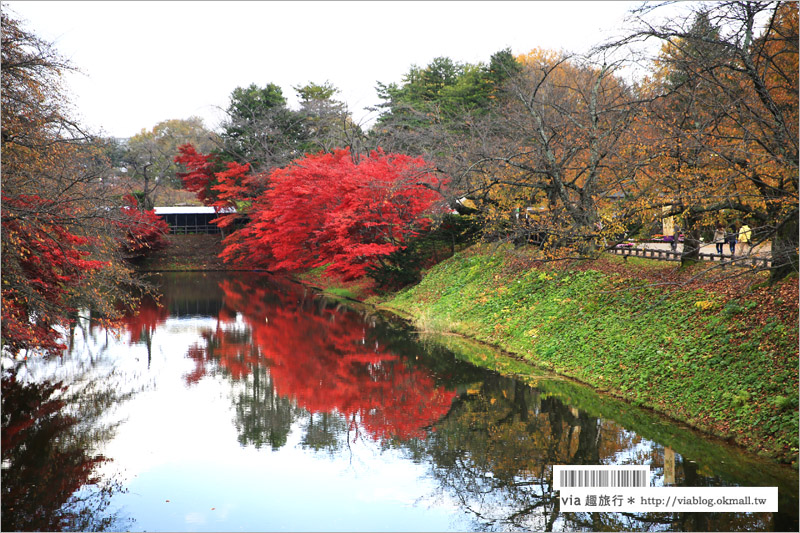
(719, 238)
(730, 238)
(745, 236)
(676, 234)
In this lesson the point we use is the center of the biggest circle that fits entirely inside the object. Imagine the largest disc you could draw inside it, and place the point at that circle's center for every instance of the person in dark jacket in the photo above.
(730, 238)
(676, 234)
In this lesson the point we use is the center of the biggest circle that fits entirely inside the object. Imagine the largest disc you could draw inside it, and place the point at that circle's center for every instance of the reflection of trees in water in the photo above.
(495, 450)
(182, 294)
(492, 453)
(289, 352)
(262, 416)
(57, 415)
(50, 436)
(324, 431)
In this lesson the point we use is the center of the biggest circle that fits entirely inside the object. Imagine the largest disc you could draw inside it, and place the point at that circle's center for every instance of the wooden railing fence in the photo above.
(723, 259)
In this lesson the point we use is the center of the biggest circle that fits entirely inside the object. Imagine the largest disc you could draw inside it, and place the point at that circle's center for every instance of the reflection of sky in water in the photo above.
(288, 489)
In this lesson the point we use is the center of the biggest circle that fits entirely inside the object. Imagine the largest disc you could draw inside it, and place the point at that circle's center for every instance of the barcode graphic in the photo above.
(565, 476)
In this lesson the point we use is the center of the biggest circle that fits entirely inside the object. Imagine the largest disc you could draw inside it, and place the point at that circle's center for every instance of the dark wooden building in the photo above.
(190, 219)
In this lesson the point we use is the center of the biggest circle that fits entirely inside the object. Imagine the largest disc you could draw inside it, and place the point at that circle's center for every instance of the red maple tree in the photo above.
(144, 231)
(61, 230)
(331, 209)
(225, 186)
(51, 260)
(199, 175)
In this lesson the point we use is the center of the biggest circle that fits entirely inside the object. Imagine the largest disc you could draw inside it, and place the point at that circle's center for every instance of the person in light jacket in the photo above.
(719, 238)
(745, 236)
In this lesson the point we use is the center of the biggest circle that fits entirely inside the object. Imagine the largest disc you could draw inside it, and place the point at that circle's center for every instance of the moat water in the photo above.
(244, 402)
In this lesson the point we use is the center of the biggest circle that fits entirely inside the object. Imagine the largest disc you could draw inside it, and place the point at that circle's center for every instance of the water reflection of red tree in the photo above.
(43, 463)
(145, 320)
(323, 358)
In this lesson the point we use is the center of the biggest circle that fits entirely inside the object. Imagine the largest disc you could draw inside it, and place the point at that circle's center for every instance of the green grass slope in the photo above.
(692, 354)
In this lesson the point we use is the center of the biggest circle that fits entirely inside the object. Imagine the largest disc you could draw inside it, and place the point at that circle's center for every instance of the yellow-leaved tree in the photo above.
(722, 119)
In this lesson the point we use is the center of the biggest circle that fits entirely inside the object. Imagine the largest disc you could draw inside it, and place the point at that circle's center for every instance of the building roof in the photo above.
(190, 209)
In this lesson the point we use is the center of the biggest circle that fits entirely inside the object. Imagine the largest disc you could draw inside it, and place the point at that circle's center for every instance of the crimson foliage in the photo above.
(50, 259)
(330, 209)
(144, 230)
(221, 185)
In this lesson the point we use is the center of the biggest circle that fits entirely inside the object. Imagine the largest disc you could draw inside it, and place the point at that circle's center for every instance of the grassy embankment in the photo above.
(721, 362)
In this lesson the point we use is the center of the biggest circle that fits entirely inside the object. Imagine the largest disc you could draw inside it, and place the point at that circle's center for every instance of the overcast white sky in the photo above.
(144, 62)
